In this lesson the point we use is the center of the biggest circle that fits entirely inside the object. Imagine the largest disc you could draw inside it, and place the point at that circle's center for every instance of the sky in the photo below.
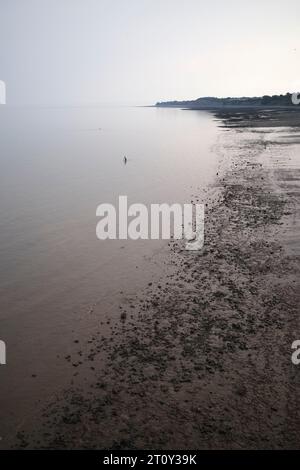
(73, 52)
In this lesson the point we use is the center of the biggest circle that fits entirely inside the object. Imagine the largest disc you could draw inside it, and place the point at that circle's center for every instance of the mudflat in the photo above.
(201, 358)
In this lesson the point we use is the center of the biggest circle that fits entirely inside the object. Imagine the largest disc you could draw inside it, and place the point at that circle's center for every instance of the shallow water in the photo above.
(57, 165)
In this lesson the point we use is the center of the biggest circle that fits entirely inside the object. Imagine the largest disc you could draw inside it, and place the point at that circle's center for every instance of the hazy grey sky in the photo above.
(140, 51)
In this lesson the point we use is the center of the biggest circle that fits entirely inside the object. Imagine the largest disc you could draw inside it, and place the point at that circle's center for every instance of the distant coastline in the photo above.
(275, 101)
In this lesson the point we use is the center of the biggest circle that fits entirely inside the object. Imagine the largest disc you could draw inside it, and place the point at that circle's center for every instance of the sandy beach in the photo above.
(201, 358)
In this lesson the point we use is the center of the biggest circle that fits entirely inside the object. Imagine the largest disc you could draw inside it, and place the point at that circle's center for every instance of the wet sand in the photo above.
(201, 358)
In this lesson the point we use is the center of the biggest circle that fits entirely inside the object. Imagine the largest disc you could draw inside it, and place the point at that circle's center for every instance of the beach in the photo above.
(201, 356)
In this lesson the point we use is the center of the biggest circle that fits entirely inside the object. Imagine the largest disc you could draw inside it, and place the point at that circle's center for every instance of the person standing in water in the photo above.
(125, 160)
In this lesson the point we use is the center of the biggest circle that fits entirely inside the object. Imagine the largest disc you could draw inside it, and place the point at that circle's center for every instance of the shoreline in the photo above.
(201, 358)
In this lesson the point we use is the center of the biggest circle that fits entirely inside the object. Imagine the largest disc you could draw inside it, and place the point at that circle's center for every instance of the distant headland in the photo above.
(243, 102)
